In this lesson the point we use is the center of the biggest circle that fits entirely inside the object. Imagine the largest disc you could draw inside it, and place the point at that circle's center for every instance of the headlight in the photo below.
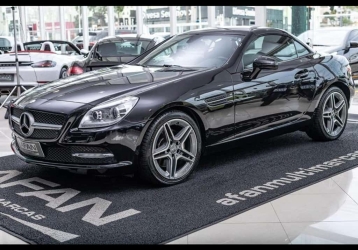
(108, 112)
(334, 53)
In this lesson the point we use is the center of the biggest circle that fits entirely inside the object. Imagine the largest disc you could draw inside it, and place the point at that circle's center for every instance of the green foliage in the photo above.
(99, 13)
(346, 21)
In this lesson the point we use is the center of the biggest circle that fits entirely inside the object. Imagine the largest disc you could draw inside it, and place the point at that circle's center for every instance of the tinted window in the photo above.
(122, 48)
(280, 47)
(301, 51)
(5, 44)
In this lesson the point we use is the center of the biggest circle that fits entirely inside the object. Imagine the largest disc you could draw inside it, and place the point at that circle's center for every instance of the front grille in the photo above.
(41, 117)
(38, 133)
(64, 155)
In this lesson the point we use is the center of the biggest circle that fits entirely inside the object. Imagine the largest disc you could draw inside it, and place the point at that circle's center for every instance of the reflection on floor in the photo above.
(324, 213)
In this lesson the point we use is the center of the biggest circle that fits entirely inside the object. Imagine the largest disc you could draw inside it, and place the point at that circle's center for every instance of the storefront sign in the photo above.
(243, 12)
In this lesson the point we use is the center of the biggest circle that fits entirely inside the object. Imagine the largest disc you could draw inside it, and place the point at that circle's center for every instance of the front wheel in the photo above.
(170, 150)
(330, 117)
(63, 73)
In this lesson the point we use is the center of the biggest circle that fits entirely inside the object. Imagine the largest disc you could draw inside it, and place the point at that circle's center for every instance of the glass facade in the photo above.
(157, 19)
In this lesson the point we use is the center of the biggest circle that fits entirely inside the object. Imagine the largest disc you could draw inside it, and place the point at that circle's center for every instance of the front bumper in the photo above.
(30, 160)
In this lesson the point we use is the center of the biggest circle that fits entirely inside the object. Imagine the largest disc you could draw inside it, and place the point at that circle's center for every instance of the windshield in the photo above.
(324, 37)
(194, 50)
(62, 48)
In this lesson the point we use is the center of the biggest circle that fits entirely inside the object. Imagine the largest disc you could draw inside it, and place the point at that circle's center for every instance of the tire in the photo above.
(320, 129)
(63, 73)
(156, 171)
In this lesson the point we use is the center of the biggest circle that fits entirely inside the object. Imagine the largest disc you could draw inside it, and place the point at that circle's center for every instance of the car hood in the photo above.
(94, 87)
(326, 49)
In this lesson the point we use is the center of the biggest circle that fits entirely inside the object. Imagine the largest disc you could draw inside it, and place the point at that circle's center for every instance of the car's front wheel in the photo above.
(63, 73)
(330, 117)
(170, 150)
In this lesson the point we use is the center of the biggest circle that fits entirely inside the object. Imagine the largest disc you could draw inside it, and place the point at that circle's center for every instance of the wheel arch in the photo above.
(187, 109)
(339, 85)
(344, 88)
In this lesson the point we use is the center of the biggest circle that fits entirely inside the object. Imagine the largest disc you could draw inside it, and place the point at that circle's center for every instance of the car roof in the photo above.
(239, 29)
(332, 29)
(42, 41)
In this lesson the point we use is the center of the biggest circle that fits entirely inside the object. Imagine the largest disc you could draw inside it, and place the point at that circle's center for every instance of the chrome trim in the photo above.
(65, 165)
(15, 119)
(93, 155)
(38, 125)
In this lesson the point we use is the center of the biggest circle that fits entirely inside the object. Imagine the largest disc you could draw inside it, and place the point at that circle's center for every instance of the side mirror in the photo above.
(262, 62)
(84, 52)
(265, 62)
(353, 44)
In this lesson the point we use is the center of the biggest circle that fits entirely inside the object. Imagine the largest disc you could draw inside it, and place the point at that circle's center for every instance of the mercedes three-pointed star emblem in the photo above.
(26, 121)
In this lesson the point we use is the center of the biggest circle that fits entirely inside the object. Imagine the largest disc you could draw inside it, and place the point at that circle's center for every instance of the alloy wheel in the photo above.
(174, 149)
(334, 113)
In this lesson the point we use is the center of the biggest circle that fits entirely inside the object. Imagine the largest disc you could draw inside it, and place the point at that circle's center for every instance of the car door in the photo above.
(276, 96)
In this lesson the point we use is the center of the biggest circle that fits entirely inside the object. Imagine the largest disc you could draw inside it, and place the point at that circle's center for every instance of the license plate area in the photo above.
(6, 77)
(30, 147)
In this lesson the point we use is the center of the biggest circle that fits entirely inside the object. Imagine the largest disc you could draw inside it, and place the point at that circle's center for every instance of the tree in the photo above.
(99, 13)
(118, 10)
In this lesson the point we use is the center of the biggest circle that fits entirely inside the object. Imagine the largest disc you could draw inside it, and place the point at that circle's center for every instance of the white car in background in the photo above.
(40, 62)
(7, 43)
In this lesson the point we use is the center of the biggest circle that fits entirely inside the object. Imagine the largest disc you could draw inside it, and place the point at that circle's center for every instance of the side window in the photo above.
(301, 51)
(5, 44)
(132, 47)
(107, 49)
(280, 47)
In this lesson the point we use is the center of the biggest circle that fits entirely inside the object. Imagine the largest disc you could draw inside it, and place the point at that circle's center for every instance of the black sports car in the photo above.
(200, 89)
(111, 51)
(337, 41)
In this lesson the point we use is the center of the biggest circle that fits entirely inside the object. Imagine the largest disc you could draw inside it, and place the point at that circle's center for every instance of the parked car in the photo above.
(165, 35)
(92, 39)
(95, 36)
(198, 90)
(115, 50)
(7, 43)
(337, 41)
(39, 62)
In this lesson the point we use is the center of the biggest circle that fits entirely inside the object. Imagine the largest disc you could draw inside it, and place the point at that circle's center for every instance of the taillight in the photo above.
(44, 64)
(91, 44)
(75, 70)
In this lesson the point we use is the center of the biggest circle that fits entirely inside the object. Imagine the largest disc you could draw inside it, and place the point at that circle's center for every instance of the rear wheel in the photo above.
(63, 73)
(170, 150)
(330, 117)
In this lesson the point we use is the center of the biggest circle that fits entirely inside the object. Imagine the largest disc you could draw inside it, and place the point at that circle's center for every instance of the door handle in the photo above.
(302, 74)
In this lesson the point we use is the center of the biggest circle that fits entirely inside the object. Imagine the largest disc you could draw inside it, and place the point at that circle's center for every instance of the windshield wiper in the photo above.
(321, 45)
(176, 66)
